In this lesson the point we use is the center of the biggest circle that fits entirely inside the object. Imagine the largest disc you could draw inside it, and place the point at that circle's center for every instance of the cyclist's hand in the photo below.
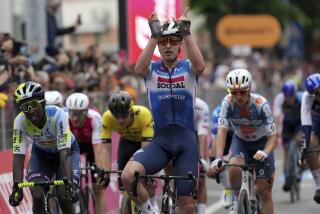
(104, 180)
(184, 23)
(260, 155)
(71, 191)
(155, 26)
(3, 100)
(303, 157)
(215, 168)
(16, 196)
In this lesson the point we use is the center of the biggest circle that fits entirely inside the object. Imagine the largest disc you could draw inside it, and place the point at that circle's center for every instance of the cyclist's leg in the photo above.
(66, 205)
(264, 186)
(39, 169)
(202, 192)
(313, 159)
(187, 160)
(239, 153)
(143, 162)
(286, 145)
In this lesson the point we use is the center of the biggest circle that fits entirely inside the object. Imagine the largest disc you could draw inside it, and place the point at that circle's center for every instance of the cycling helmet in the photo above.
(28, 90)
(170, 28)
(312, 83)
(289, 88)
(77, 101)
(53, 98)
(120, 103)
(239, 79)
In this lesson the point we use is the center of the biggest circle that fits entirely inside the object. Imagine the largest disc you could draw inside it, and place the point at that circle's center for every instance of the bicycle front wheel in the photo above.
(243, 203)
(128, 206)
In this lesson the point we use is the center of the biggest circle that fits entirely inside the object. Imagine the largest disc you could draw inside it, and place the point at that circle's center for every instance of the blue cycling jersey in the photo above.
(172, 94)
(214, 121)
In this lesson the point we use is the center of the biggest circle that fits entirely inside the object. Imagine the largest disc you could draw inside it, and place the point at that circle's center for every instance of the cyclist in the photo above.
(54, 98)
(133, 123)
(254, 137)
(286, 105)
(310, 125)
(228, 196)
(85, 124)
(171, 86)
(201, 115)
(54, 150)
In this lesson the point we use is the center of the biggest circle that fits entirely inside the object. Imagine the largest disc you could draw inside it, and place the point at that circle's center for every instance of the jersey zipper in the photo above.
(171, 93)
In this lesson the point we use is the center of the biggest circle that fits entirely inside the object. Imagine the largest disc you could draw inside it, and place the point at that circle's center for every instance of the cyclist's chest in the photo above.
(132, 132)
(83, 134)
(45, 137)
(291, 110)
(245, 116)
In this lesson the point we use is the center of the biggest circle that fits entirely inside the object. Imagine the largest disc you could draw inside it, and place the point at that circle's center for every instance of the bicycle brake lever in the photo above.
(134, 184)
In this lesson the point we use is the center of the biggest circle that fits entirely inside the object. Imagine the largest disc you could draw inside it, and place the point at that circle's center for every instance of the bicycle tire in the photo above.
(243, 203)
(127, 206)
(255, 207)
(293, 173)
(83, 203)
(92, 197)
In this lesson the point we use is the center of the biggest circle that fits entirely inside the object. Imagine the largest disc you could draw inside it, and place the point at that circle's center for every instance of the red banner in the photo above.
(138, 27)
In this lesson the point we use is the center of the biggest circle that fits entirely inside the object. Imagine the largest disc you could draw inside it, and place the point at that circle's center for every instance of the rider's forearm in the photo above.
(66, 163)
(221, 141)
(145, 58)
(271, 143)
(195, 56)
(106, 155)
(18, 166)
(203, 146)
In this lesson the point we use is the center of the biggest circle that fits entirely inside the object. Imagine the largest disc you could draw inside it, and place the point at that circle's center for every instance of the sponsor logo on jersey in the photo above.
(176, 82)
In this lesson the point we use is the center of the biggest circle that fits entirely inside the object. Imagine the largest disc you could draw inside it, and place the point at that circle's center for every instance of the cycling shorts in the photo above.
(172, 141)
(240, 147)
(44, 165)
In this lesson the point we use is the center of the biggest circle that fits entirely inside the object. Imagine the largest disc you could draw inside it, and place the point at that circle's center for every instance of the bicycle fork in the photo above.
(169, 197)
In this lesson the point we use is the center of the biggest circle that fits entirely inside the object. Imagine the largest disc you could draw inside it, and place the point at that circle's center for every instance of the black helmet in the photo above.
(120, 104)
(27, 91)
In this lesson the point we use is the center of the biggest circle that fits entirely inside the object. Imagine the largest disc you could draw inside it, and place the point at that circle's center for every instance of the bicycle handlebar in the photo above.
(98, 172)
(137, 176)
(41, 183)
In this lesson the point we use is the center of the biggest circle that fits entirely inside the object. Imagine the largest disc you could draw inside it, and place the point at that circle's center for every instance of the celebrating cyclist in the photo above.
(254, 137)
(286, 105)
(310, 124)
(85, 124)
(54, 152)
(133, 123)
(171, 86)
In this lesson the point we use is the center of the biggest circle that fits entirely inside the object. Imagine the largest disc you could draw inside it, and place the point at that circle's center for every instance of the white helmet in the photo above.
(170, 28)
(239, 79)
(77, 101)
(53, 98)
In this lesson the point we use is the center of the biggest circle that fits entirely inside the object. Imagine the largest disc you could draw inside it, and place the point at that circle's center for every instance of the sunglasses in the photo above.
(171, 41)
(31, 105)
(77, 113)
(239, 92)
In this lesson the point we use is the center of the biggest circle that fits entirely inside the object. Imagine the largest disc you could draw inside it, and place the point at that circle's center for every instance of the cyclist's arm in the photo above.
(147, 127)
(144, 60)
(195, 56)
(19, 148)
(306, 119)
(270, 127)
(271, 144)
(223, 127)
(106, 136)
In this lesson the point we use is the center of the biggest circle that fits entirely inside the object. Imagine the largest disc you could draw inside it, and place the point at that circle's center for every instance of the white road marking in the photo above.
(214, 207)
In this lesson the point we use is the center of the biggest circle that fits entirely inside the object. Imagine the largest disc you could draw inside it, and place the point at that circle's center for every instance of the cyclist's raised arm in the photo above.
(144, 60)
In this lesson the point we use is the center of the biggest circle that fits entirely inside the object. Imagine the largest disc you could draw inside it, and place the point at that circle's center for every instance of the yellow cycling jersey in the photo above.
(140, 130)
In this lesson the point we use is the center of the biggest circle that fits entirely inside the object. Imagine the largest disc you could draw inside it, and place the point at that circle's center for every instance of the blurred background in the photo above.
(91, 46)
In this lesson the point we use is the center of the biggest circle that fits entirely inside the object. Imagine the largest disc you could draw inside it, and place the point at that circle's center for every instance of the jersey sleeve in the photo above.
(306, 105)
(147, 126)
(106, 130)
(277, 104)
(203, 124)
(268, 120)
(63, 131)
(223, 120)
(19, 136)
(96, 128)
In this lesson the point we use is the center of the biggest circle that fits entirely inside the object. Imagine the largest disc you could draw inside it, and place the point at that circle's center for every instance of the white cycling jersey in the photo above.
(201, 117)
(251, 123)
(55, 134)
(310, 109)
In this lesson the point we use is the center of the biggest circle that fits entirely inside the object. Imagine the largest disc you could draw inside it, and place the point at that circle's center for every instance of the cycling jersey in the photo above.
(141, 128)
(250, 123)
(90, 132)
(172, 94)
(289, 111)
(201, 117)
(55, 134)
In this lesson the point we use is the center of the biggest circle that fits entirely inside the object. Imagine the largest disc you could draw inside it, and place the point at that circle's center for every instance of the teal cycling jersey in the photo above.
(54, 136)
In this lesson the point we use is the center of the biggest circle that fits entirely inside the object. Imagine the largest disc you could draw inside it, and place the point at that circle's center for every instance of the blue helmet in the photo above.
(289, 88)
(312, 83)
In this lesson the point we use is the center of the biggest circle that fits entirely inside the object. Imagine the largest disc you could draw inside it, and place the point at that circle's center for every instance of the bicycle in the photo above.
(169, 192)
(294, 172)
(46, 188)
(248, 200)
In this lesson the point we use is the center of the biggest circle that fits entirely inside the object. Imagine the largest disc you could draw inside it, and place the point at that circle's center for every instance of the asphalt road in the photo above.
(282, 203)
